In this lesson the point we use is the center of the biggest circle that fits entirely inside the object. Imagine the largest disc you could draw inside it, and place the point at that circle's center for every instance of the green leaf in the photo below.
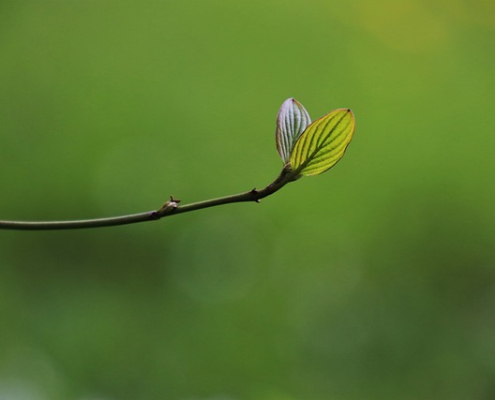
(323, 143)
(292, 120)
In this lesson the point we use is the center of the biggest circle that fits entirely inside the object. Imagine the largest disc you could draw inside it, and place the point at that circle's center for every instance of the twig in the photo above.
(170, 208)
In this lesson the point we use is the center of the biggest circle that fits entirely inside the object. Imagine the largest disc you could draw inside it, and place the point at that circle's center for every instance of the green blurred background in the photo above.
(373, 281)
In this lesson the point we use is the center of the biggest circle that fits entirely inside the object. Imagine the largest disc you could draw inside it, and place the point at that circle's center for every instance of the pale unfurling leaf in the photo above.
(292, 120)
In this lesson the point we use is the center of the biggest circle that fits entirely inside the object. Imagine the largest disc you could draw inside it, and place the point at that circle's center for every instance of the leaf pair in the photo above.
(312, 148)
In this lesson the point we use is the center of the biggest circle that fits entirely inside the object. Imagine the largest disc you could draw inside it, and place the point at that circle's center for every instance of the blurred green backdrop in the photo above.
(373, 281)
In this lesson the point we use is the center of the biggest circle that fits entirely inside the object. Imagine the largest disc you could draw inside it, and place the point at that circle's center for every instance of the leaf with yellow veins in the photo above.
(323, 143)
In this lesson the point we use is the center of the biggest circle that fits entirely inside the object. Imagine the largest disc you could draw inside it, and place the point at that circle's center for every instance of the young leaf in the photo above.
(323, 143)
(292, 120)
